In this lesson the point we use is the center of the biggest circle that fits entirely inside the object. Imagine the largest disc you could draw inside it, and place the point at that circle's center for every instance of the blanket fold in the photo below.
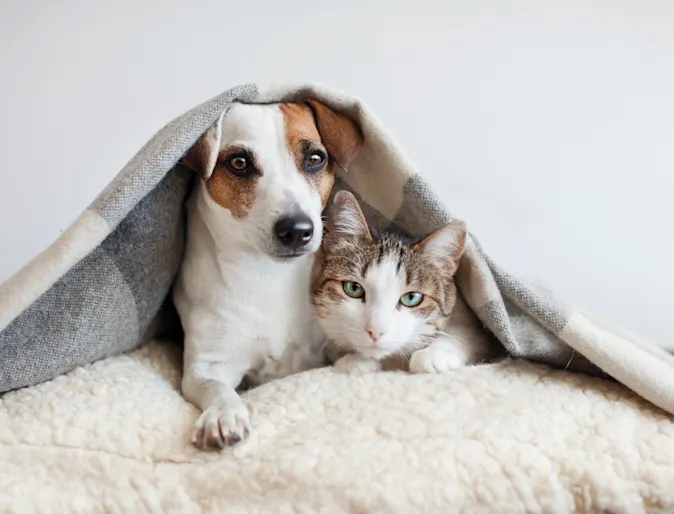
(96, 291)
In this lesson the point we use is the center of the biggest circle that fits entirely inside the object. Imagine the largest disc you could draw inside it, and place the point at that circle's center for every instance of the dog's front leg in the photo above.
(210, 386)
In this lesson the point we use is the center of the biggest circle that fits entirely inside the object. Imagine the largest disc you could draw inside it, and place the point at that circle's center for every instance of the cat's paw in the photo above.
(434, 360)
(354, 364)
(221, 426)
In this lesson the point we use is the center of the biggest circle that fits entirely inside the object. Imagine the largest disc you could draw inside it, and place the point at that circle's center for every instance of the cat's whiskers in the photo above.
(452, 336)
(426, 337)
(403, 354)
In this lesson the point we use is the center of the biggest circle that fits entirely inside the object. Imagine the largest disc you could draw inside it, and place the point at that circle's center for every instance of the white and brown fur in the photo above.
(243, 296)
(375, 331)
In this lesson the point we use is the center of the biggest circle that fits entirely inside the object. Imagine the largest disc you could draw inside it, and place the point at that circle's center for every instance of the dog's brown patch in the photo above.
(302, 135)
(339, 133)
(236, 194)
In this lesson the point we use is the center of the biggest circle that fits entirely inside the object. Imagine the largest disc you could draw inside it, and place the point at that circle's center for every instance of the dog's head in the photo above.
(268, 171)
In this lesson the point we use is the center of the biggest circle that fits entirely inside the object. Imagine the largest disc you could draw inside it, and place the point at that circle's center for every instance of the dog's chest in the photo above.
(285, 336)
(294, 349)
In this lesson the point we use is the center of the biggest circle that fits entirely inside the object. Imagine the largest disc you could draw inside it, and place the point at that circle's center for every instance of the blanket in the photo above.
(99, 289)
(510, 437)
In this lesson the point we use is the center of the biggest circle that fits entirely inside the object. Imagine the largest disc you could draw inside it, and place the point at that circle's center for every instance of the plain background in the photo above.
(548, 126)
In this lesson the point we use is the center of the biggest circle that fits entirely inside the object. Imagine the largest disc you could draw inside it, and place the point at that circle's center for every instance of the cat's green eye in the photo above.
(411, 299)
(353, 289)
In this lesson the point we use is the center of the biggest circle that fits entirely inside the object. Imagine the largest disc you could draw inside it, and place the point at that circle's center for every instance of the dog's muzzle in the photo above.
(294, 232)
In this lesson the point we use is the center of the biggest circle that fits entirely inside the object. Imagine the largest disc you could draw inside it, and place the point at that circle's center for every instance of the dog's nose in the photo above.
(294, 231)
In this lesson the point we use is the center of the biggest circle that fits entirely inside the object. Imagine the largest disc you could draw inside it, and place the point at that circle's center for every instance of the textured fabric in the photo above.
(104, 304)
(512, 437)
(123, 253)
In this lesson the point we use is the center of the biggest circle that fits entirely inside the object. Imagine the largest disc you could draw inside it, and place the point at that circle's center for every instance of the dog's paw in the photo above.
(434, 360)
(221, 426)
(353, 364)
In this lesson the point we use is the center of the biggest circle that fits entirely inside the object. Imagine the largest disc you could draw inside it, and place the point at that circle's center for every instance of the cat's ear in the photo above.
(445, 245)
(346, 219)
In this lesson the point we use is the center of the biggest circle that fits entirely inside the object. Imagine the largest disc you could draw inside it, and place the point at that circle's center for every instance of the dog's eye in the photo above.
(315, 161)
(238, 163)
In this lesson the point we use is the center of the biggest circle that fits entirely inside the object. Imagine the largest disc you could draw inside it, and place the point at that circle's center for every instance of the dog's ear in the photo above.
(203, 155)
(341, 135)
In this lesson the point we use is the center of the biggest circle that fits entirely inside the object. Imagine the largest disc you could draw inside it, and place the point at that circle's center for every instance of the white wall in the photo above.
(550, 129)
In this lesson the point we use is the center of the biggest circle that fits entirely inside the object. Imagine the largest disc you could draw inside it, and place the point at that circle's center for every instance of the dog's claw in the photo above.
(219, 427)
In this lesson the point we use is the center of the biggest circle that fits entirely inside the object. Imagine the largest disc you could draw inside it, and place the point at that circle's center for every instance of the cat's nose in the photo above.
(375, 335)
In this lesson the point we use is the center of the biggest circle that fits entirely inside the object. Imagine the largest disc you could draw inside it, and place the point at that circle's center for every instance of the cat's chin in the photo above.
(370, 352)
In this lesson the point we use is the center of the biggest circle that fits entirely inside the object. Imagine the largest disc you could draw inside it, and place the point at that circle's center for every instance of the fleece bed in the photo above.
(511, 437)
(526, 434)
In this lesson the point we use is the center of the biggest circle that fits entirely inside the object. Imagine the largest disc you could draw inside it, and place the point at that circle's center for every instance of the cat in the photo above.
(384, 302)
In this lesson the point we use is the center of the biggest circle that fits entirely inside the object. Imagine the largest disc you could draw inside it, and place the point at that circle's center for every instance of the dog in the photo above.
(253, 225)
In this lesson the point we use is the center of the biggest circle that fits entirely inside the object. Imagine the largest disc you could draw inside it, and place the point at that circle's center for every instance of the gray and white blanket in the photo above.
(99, 289)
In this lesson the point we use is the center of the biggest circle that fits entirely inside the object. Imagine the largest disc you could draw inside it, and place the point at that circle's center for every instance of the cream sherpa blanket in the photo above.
(501, 438)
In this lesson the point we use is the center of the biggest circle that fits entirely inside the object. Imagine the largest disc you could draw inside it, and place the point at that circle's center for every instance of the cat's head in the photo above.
(379, 295)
